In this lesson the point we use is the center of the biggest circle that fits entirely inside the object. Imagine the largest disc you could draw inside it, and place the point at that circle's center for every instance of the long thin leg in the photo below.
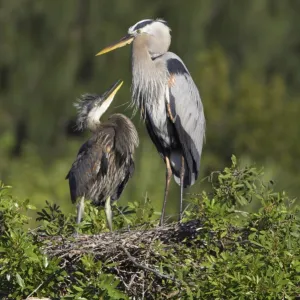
(181, 187)
(108, 213)
(168, 179)
(80, 209)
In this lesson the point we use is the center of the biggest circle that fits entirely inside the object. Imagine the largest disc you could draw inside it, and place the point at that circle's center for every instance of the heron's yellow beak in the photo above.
(126, 40)
(110, 94)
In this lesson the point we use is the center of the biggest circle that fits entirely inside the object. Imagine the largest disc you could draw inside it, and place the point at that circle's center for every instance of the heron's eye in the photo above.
(138, 31)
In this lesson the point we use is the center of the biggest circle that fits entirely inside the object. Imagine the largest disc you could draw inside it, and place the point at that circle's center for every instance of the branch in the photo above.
(147, 268)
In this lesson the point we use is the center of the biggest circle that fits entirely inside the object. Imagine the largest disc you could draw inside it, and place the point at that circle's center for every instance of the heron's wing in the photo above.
(185, 110)
(122, 185)
(91, 162)
(84, 147)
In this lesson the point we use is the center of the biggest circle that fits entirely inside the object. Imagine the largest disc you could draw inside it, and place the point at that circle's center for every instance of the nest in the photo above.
(133, 254)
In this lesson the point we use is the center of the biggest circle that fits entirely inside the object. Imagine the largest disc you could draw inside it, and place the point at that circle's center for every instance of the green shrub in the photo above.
(229, 254)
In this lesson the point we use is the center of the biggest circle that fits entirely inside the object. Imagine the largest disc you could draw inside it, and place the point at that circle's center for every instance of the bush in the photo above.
(221, 251)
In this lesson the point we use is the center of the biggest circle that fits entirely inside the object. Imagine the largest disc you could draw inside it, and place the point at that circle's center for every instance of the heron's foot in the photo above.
(180, 219)
(161, 221)
(108, 213)
(109, 225)
(76, 234)
(80, 210)
(180, 216)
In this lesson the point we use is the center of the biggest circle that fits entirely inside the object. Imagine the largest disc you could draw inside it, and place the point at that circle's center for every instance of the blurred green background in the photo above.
(243, 55)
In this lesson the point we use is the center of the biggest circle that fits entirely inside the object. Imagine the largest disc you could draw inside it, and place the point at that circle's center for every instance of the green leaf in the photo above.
(20, 281)
(77, 288)
(45, 261)
(30, 206)
(233, 160)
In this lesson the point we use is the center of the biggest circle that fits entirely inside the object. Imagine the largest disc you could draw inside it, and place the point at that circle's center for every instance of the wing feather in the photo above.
(187, 113)
(128, 174)
(91, 162)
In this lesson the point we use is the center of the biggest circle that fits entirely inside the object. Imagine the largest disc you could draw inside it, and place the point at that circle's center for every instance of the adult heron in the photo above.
(169, 101)
(104, 163)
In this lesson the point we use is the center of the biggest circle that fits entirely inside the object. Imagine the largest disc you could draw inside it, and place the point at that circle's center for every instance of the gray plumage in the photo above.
(105, 162)
(168, 99)
(185, 133)
(161, 79)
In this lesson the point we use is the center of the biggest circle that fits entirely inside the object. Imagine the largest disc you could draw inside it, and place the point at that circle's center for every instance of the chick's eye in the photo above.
(138, 31)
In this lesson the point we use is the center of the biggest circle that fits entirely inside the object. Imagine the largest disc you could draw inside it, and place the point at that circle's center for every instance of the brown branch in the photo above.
(131, 258)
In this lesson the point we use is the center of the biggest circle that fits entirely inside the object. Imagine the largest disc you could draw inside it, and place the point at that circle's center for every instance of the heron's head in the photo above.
(156, 32)
(92, 106)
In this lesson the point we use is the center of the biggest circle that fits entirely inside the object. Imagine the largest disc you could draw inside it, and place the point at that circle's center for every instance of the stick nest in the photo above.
(132, 253)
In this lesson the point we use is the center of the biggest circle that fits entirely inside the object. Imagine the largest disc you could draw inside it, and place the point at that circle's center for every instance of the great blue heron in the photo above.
(104, 163)
(169, 101)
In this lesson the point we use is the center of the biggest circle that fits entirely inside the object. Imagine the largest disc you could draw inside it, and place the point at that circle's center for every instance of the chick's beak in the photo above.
(110, 94)
(126, 40)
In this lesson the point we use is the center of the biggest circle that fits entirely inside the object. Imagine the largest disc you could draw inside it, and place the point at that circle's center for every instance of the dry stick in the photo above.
(35, 291)
(131, 258)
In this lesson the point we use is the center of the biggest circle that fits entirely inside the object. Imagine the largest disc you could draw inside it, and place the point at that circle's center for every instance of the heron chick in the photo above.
(105, 162)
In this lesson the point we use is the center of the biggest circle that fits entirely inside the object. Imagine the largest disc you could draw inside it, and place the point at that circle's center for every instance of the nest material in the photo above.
(132, 252)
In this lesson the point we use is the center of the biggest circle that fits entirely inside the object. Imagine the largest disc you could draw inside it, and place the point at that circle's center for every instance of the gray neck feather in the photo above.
(149, 77)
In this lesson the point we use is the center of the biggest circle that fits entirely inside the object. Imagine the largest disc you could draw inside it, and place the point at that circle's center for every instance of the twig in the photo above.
(35, 291)
(132, 259)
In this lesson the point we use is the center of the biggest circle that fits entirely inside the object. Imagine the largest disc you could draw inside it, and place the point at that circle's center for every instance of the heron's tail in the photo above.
(190, 176)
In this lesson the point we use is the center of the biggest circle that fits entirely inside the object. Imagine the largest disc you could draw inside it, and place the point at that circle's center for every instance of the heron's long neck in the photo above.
(125, 133)
(148, 76)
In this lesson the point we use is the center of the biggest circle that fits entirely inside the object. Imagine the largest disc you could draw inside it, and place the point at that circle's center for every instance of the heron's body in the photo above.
(165, 126)
(105, 162)
(169, 101)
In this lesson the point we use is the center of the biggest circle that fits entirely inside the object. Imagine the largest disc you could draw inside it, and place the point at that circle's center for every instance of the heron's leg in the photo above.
(108, 213)
(168, 179)
(80, 209)
(181, 187)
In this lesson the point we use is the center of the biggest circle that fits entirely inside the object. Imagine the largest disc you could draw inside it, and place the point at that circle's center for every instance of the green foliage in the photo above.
(235, 186)
(54, 222)
(23, 266)
(241, 255)
(235, 254)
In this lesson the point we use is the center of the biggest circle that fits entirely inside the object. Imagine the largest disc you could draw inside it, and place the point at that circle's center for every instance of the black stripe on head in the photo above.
(142, 24)
(176, 67)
